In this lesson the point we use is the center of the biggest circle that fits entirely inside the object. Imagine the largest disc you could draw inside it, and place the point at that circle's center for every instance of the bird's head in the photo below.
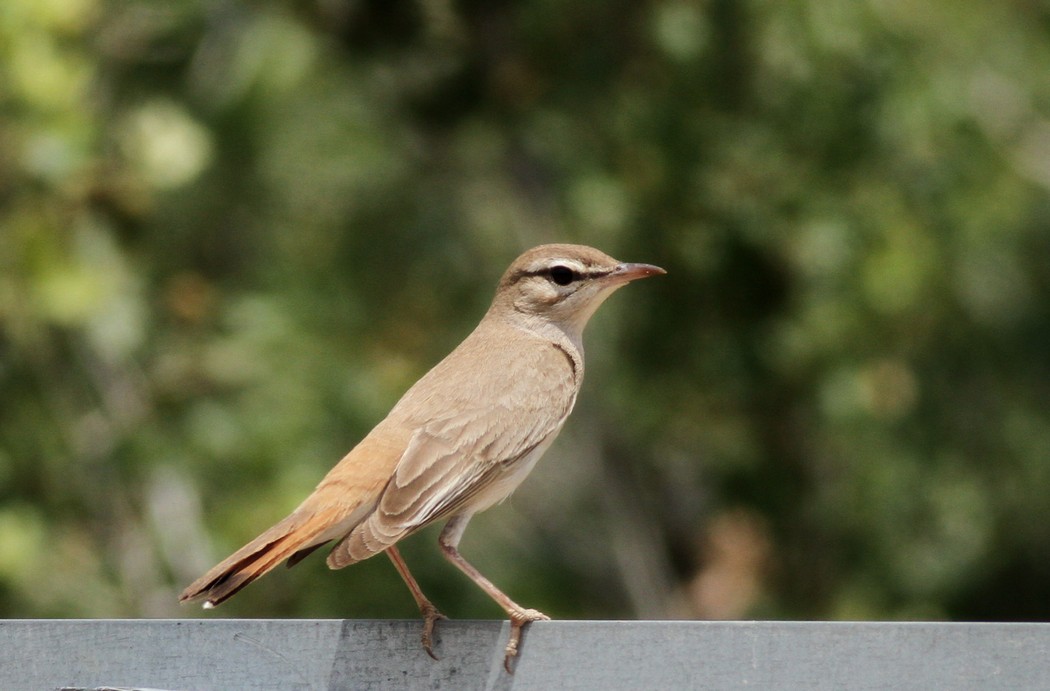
(564, 284)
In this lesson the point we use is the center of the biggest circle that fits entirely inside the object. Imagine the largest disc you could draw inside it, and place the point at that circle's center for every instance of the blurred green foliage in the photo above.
(233, 233)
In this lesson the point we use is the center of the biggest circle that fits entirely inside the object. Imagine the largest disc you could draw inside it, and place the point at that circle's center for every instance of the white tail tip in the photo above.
(208, 604)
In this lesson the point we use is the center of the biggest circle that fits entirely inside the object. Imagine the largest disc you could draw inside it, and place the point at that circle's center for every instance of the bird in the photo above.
(459, 441)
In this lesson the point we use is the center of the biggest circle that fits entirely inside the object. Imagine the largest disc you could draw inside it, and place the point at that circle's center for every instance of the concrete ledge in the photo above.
(353, 654)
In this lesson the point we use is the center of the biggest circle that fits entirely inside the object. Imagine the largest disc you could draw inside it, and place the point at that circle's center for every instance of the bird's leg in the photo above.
(426, 607)
(519, 616)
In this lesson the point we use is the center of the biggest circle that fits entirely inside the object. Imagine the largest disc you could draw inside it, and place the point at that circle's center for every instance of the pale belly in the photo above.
(504, 486)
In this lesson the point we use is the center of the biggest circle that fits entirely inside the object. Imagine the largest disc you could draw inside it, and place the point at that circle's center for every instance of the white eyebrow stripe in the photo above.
(578, 268)
(567, 263)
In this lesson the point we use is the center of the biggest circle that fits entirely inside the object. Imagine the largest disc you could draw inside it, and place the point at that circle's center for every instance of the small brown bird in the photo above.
(460, 440)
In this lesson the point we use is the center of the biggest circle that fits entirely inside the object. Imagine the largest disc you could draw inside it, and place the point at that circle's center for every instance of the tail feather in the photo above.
(294, 534)
(345, 497)
(304, 553)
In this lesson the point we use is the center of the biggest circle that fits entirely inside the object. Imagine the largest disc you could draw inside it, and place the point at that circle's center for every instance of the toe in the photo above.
(524, 616)
(430, 618)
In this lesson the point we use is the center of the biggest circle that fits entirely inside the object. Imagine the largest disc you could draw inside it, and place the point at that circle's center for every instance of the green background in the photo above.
(233, 233)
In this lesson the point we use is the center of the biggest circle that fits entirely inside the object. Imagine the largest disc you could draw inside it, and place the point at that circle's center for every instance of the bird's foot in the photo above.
(518, 619)
(430, 617)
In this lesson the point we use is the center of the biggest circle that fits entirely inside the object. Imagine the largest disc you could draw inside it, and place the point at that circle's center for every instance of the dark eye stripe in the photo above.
(546, 271)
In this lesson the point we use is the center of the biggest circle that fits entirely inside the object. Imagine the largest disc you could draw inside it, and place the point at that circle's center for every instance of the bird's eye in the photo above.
(562, 275)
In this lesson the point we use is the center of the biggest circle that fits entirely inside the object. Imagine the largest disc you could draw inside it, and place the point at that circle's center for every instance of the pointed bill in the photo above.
(624, 273)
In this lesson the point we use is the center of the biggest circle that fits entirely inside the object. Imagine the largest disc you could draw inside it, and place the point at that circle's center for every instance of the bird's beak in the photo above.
(624, 273)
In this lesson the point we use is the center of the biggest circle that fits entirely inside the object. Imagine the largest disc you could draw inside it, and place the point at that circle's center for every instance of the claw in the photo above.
(518, 620)
(430, 617)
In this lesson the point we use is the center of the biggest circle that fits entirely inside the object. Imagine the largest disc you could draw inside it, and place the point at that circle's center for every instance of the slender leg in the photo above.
(426, 607)
(519, 616)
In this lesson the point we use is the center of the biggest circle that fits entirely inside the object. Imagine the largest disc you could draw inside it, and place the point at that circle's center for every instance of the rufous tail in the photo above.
(295, 534)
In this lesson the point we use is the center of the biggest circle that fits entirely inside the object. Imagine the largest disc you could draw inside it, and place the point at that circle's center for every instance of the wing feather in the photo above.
(469, 459)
